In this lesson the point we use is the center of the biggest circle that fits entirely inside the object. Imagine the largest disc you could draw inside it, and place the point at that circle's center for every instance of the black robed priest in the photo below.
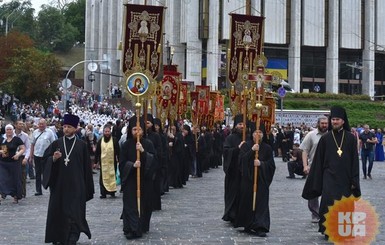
(335, 169)
(68, 174)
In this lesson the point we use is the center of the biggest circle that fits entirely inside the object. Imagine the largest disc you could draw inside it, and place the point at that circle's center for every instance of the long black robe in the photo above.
(258, 220)
(70, 186)
(164, 164)
(176, 164)
(98, 154)
(232, 177)
(332, 176)
(156, 180)
(132, 223)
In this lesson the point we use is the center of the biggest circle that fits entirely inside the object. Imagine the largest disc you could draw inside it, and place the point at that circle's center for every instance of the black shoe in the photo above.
(103, 196)
(370, 176)
(38, 194)
(33, 177)
(260, 233)
(290, 177)
(304, 177)
(364, 176)
(112, 195)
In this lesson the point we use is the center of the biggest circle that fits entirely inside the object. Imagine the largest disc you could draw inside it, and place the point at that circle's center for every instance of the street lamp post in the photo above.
(67, 80)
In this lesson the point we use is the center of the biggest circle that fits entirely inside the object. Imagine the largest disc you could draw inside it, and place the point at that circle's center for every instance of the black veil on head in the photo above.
(158, 122)
(262, 127)
(132, 124)
(339, 112)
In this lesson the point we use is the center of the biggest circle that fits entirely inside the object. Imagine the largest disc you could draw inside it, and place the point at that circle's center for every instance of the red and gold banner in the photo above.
(219, 111)
(143, 32)
(203, 99)
(246, 40)
(194, 107)
(182, 105)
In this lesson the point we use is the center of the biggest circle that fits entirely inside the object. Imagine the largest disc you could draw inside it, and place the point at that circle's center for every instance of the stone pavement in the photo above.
(191, 215)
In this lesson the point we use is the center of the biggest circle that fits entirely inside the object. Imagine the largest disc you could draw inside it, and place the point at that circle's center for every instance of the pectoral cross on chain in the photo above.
(66, 161)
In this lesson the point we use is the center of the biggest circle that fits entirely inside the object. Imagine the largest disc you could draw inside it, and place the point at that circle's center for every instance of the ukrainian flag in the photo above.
(275, 66)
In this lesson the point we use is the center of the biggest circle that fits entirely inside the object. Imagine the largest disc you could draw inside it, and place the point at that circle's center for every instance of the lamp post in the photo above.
(67, 80)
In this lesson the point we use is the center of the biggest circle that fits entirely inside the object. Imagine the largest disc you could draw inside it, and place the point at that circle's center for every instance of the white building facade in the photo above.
(335, 46)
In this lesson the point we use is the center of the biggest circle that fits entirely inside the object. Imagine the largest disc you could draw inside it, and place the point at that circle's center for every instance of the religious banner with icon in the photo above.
(137, 84)
(182, 105)
(169, 98)
(246, 40)
(203, 99)
(142, 38)
(194, 107)
(219, 111)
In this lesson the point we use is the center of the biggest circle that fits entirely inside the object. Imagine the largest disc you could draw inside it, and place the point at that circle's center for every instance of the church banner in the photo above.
(203, 99)
(246, 40)
(183, 88)
(143, 32)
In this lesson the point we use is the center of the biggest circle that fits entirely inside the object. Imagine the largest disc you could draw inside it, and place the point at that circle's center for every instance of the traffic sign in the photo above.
(281, 92)
(66, 83)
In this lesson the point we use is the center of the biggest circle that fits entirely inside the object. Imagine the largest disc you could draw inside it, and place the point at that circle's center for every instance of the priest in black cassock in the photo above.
(255, 222)
(335, 168)
(135, 224)
(68, 174)
(231, 168)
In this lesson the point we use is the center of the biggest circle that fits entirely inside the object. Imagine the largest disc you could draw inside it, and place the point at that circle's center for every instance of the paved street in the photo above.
(191, 215)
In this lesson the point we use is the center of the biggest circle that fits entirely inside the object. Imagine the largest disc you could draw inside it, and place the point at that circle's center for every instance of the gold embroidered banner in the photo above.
(143, 32)
(246, 40)
(203, 99)
(183, 88)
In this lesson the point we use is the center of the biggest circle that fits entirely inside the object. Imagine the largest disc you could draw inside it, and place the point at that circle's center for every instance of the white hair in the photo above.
(9, 126)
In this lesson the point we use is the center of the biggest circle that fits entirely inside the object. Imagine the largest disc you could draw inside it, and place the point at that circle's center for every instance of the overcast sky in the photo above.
(37, 3)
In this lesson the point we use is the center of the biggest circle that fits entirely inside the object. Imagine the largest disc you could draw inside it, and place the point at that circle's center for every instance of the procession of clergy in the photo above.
(147, 159)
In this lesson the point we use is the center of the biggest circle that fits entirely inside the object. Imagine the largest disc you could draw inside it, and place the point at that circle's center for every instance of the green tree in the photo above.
(33, 76)
(54, 34)
(74, 14)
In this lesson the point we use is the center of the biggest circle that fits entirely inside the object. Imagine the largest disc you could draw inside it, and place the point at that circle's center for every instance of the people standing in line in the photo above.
(11, 149)
(154, 137)
(368, 141)
(309, 146)
(91, 141)
(231, 149)
(19, 132)
(379, 154)
(189, 151)
(30, 164)
(107, 157)
(255, 222)
(176, 153)
(135, 223)
(68, 174)
(334, 172)
(164, 159)
(42, 137)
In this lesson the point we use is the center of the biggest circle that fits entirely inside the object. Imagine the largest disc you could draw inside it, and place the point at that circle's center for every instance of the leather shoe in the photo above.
(38, 194)
(260, 233)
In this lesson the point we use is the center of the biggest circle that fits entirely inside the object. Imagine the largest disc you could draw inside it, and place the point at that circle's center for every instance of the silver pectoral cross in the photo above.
(66, 161)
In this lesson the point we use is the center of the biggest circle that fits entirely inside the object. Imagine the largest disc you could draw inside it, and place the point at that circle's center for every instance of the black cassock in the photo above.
(258, 220)
(232, 178)
(132, 223)
(71, 187)
(332, 176)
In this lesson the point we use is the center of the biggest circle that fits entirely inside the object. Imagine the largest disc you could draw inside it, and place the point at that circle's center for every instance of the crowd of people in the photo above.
(147, 159)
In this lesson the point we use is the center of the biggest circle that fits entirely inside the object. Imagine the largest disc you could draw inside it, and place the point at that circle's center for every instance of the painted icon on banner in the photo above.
(137, 84)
